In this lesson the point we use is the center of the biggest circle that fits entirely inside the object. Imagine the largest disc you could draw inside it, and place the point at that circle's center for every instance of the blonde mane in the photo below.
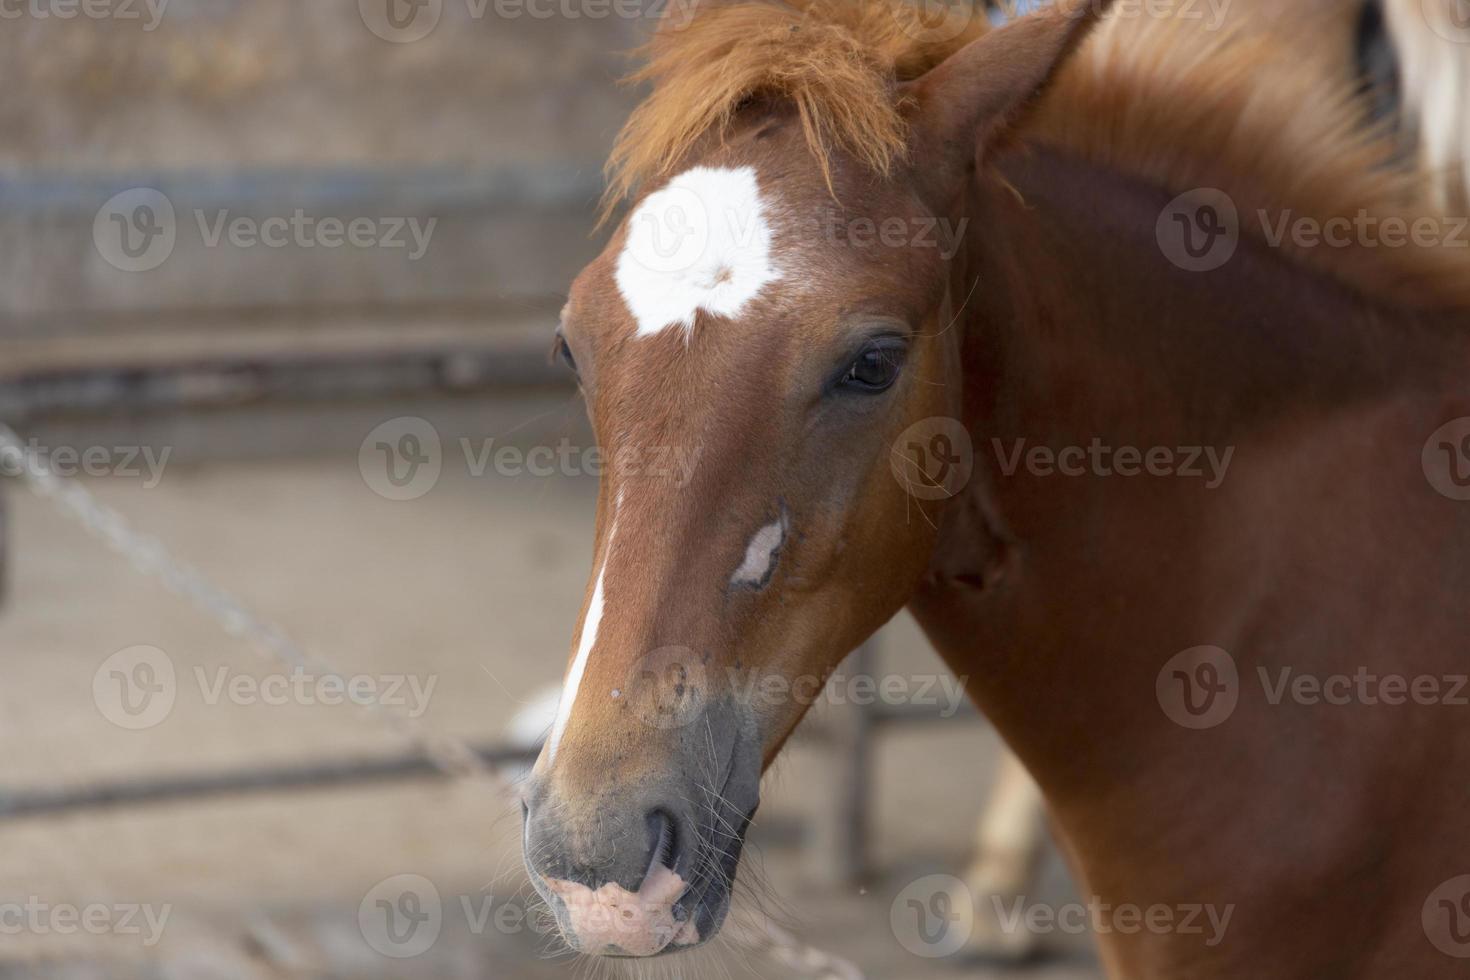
(1157, 97)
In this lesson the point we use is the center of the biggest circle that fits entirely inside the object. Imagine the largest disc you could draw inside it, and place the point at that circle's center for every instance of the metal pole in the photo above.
(845, 850)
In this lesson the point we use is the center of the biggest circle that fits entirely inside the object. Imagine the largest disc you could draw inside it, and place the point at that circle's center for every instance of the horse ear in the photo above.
(962, 103)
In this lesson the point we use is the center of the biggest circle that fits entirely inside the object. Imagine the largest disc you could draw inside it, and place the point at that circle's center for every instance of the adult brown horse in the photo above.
(778, 299)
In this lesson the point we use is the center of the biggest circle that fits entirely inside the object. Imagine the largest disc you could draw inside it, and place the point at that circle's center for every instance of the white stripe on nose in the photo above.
(585, 643)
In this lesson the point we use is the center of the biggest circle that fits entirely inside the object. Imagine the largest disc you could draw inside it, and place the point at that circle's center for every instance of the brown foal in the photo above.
(858, 251)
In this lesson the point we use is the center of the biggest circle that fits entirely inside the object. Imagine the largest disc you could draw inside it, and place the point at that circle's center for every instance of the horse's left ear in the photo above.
(960, 105)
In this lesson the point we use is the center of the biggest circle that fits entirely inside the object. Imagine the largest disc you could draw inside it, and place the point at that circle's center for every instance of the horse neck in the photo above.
(1079, 332)
(1074, 281)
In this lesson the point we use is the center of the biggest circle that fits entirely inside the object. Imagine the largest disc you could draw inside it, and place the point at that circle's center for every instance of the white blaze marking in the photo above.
(760, 554)
(585, 643)
(700, 243)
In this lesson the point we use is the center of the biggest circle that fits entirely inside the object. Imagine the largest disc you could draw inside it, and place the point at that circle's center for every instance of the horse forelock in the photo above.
(837, 61)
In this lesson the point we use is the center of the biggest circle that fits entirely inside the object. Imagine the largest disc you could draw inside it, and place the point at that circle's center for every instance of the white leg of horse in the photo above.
(1008, 848)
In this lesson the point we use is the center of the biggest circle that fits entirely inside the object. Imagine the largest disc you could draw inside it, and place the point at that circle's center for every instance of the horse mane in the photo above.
(1162, 99)
(836, 60)
(1156, 97)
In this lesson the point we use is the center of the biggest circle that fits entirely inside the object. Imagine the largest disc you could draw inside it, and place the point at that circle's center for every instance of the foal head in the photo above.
(745, 321)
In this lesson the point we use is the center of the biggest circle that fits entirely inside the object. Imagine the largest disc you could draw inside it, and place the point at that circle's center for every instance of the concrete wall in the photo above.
(289, 114)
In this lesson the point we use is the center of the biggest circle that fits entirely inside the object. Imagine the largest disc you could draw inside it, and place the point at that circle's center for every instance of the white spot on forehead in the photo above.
(703, 242)
(585, 643)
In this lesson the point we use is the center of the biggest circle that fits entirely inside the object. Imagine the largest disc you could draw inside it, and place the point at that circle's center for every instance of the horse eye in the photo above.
(564, 352)
(876, 368)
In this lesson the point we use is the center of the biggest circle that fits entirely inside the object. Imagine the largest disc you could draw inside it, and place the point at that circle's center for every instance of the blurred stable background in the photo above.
(230, 397)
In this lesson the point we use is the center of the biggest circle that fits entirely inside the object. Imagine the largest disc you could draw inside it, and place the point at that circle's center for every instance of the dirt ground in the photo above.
(474, 586)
